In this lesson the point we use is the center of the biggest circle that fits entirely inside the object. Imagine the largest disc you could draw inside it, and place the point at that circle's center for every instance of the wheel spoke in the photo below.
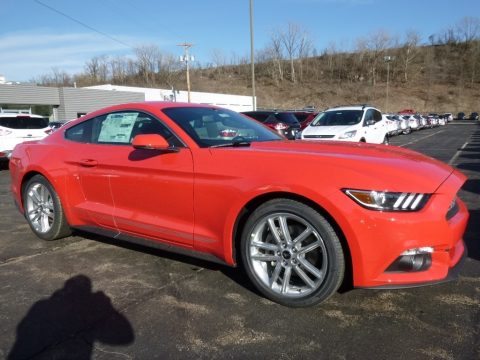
(304, 277)
(302, 236)
(264, 257)
(265, 246)
(286, 279)
(273, 230)
(44, 223)
(35, 196)
(37, 216)
(284, 227)
(275, 274)
(309, 247)
(311, 269)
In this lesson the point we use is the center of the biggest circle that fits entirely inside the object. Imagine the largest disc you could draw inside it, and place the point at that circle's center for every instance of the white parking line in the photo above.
(425, 137)
(457, 154)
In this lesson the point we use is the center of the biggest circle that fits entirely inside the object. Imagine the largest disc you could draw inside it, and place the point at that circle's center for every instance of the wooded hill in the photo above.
(442, 75)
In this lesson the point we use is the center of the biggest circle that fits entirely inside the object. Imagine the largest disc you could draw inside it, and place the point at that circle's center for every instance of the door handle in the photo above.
(88, 162)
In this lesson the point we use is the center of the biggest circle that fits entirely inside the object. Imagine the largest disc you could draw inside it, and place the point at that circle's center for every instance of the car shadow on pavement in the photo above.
(67, 324)
(236, 274)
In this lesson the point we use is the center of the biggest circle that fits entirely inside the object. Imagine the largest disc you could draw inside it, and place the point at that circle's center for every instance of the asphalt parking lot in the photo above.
(88, 297)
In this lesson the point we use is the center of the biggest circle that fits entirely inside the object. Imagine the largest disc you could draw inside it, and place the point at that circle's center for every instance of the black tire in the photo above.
(386, 140)
(43, 209)
(295, 274)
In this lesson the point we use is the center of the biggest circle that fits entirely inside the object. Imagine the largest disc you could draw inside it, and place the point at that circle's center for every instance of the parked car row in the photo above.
(463, 116)
(361, 123)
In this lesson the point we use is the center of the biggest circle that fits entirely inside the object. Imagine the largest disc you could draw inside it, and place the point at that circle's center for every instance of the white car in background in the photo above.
(393, 126)
(361, 123)
(413, 122)
(448, 116)
(17, 126)
(404, 123)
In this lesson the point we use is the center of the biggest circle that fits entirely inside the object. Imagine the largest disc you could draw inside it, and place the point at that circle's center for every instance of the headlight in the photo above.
(388, 201)
(348, 134)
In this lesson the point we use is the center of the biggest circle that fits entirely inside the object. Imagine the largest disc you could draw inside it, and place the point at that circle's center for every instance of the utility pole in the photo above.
(252, 57)
(387, 59)
(187, 58)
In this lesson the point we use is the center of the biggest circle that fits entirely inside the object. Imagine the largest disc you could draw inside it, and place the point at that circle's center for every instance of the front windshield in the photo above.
(215, 127)
(338, 118)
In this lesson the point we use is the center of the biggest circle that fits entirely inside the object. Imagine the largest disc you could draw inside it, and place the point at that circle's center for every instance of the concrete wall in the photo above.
(74, 101)
(29, 95)
(67, 102)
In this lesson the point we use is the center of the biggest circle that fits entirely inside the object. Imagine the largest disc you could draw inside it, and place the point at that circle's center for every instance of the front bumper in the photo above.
(377, 240)
(452, 275)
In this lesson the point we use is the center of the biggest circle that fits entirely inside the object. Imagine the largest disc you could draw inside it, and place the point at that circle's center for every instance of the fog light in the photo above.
(413, 260)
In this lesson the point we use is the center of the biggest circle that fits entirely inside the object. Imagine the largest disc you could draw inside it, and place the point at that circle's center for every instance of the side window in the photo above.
(368, 117)
(115, 128)
(119, 129)
(377, 115)
(146, 124)
(81, 132)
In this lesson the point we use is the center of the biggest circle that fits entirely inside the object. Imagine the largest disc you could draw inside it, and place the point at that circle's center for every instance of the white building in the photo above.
(233, 102)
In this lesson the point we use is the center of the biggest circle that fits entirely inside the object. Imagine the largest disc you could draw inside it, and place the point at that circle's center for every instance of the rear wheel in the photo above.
(43, 209)
(292, 254)
(385, 140)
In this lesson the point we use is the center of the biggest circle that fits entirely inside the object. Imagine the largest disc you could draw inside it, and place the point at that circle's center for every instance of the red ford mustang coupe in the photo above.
(205, 181)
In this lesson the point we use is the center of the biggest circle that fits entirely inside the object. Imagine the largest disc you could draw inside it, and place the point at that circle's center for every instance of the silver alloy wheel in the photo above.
(39, 207)
(288, 255)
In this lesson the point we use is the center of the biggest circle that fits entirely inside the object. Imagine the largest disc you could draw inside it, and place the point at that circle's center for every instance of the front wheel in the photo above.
(43, 209)
(292, 254)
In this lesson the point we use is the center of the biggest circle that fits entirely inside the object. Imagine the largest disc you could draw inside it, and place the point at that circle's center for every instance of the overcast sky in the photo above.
(39, 35)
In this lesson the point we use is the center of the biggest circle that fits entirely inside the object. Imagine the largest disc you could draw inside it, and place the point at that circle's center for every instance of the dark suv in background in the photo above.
(284, 122)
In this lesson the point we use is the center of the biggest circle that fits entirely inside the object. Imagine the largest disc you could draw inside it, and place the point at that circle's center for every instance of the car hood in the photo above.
(360, 165)
(328, 130)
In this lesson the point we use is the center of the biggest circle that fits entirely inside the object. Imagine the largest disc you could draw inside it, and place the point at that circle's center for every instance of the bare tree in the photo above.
(377, 43)
(147, 62)
(304, 52)
(291, 40)
(219, 59)
(56, 77)
(277, 55)
(468, 29)
(409, 51)
(97, 69)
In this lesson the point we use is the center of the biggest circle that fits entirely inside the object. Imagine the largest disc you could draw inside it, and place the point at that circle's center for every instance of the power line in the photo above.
(83, 24)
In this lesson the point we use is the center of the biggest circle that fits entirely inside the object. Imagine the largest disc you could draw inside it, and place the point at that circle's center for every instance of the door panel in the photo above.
(148, 193)
(94, 176)
(153, 193)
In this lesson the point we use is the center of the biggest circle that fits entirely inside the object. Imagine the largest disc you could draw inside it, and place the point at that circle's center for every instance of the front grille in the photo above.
(318, 136)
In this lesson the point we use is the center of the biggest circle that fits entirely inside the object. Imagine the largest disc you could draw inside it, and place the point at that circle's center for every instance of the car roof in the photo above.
(352, 107)
(23, 115)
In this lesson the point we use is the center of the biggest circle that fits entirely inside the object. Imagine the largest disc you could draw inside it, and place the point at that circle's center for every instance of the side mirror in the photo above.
(152, 142)
(369, 122)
